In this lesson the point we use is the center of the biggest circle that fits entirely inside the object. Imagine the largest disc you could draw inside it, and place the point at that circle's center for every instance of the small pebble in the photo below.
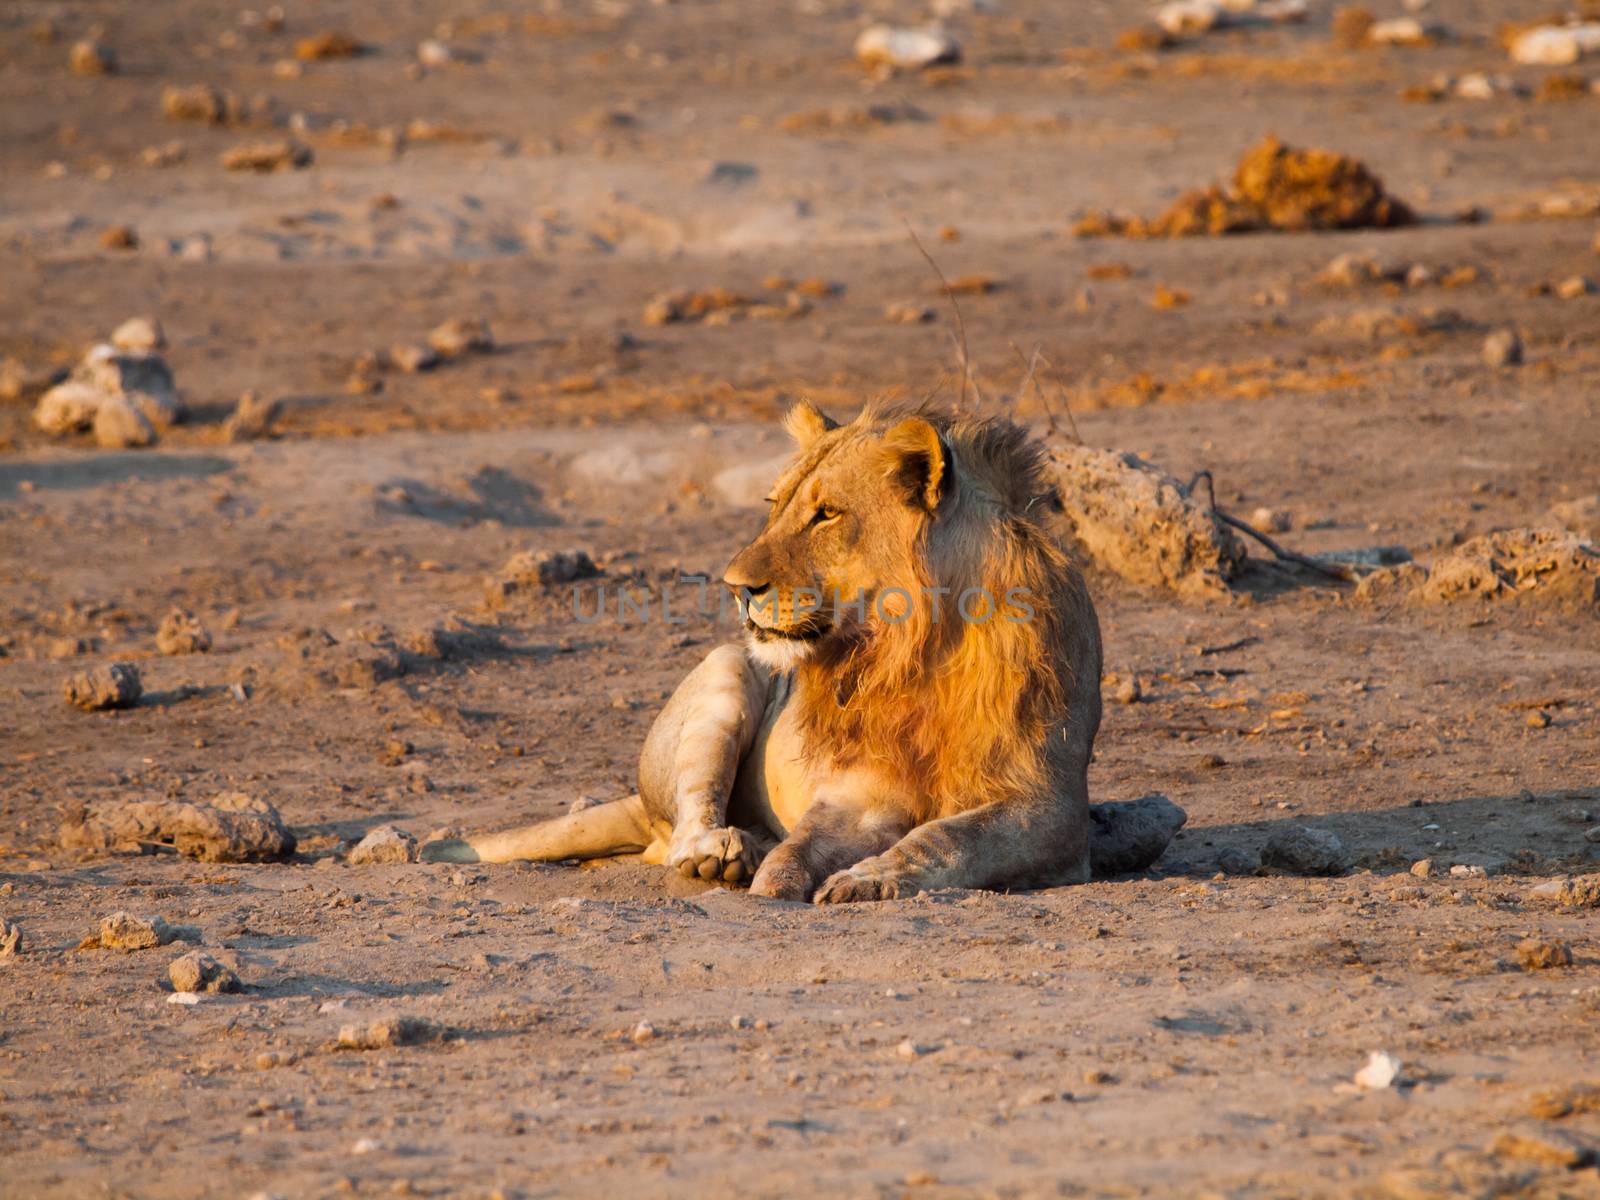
(1502, 348)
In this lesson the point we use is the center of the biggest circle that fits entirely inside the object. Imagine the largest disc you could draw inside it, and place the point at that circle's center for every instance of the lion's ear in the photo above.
(805, 423)
(917, 461)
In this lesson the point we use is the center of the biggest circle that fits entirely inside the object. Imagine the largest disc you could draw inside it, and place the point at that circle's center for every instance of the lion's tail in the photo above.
(1131, 834)
(603, 830)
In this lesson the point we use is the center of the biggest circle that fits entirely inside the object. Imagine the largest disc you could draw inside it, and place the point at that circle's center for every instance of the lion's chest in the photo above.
(779, 781)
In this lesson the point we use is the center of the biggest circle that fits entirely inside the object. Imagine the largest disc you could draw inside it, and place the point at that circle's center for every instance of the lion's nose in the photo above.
(747, 573)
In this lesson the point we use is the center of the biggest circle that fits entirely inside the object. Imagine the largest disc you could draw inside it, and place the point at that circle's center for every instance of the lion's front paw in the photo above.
(867, 880)
(727, 854)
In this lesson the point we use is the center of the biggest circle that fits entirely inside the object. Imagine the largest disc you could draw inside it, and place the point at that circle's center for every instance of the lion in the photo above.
(915, 702)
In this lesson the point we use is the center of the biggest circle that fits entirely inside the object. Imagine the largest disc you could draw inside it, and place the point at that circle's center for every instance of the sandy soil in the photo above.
(1183, 1032)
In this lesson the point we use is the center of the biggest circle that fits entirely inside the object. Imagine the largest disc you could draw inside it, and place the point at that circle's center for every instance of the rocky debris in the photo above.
(329, 44)
(232, 827)
(1188, 18)
(1582, 892)
(641, 1033)
(1422, 868)
(1128, 691)
(1272, 520)
(1130, 835)
(1302, 850)
(252, 418)
(135, 385)
(322, 662)
(434, 53)
(1402, 31)
(278, 154)
(197, 971)
(901, 313)
(392, 1031)
(139, 335)
(22, 383)
(1541, 1144)
(1382, 1070)
(1140, 523)
(90, 57)
(120, 237)
(1543, 564)
(113, 686)
(1565, 1101)
(384, 844)
(460, 336)
(181, 632)
(905, 48)
(1580, 516)
(1236, 860)
(538, 571)
(196, 102)
(1556, 45)
(1502, 348)
(1480, 85)
(1274, 187)
(671, 308)
(11, 943)
(412, 358)
(450, 638)
(124, 931)
(1574, 287)
(1541, 954)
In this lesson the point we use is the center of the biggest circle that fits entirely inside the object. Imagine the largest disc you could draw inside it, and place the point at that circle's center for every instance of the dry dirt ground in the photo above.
(1183, 1032)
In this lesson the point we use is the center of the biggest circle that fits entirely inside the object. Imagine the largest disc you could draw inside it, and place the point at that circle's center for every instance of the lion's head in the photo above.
(902, 574)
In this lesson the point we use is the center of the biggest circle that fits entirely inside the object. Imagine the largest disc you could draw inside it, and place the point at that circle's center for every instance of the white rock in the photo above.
(140, 334)
(642, 1033)
(1468, 871)
(884, 45)
(186, 998)
(1397, 31)
(67, 407)
(1556, 45)
(748, 485)
(1191, 16)
(1382, 1071)
(434, 53)
(385, 844)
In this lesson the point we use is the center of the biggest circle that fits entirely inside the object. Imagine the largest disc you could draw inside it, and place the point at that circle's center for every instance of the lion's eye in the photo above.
(824, 514)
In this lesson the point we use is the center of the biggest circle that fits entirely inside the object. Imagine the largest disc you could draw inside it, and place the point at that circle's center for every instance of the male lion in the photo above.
(916, 701)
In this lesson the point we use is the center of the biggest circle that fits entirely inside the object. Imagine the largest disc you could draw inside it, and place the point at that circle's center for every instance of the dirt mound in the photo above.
(1138, 522)
(1274, 187)
(233, 827)
(1546, 566)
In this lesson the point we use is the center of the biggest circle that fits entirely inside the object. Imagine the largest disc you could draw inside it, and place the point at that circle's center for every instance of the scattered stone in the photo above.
(106, 376)
(538, 570)
(1582, 892)
(1131, 835)
(459, 336)
(910, 1049)
(124, 931)
(139, 335)
(1422, 868)
(1542, 954)
(20, 382)
(279, 154)
(1302, 850)
(1400, 31)
(1549, 565)
(393, 1031)
(1381, 1071)
(11, 944)
(197, 971)
(253, 418)
(434, 53)
(113, 686)
(190, 999)
(1272, 520)
(1556, 45)
(1573, 288)
(330, 44)
(905, 49)
(232, 827)
(118, 425)
(90, 57)
(413, 358)
(1541, 1144)
(1565, 1101)
(909, 314)
(1538, 719)
(1274, 187)
(1502, 348)
(384, 844)
(1580, 516)
(1592, 834)
(642, 1033)
(1469, 871)
(1136, 521)
(181, 632)
(1236, 860)
(1129, 691)
(671, 308)
(197, 102)
(120, 237)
